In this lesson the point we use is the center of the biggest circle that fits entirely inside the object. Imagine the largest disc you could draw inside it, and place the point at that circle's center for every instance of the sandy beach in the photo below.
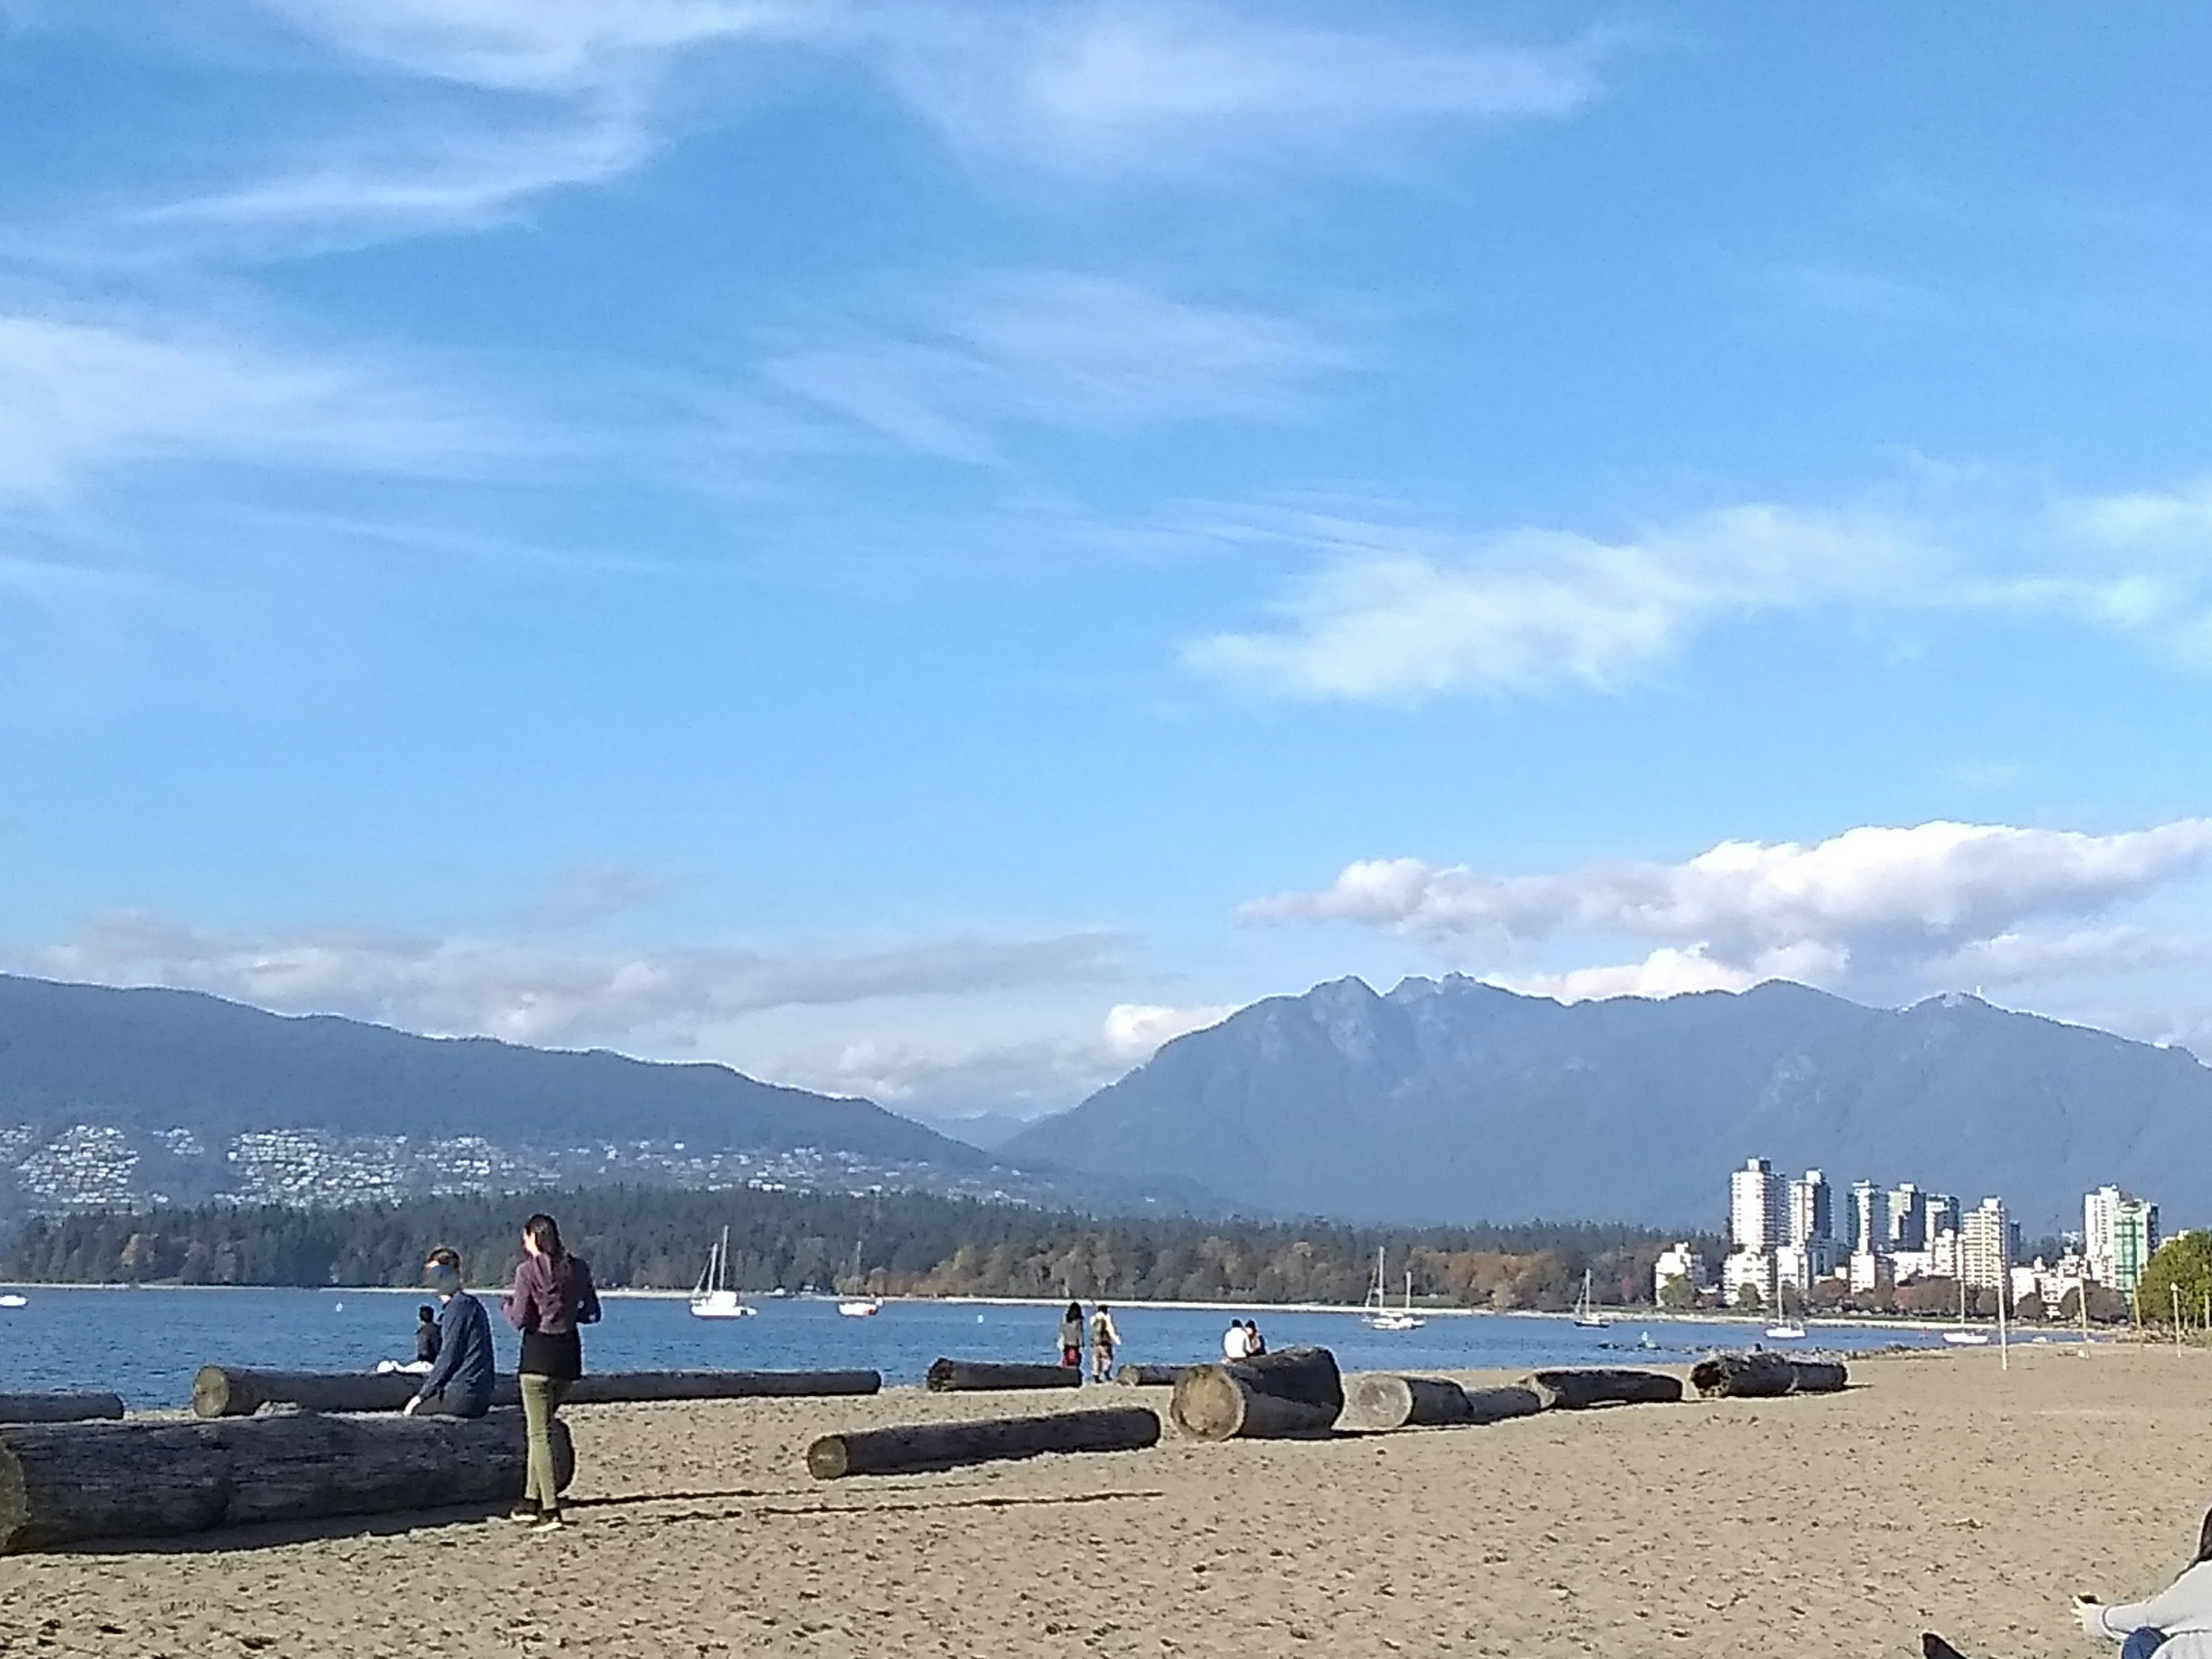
(1939, 1493)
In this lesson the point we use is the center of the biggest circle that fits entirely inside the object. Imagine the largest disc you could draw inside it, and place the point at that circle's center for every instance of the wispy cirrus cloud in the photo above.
(1875, 906)
(535, 992)
(1400, 610)
(1070, 349)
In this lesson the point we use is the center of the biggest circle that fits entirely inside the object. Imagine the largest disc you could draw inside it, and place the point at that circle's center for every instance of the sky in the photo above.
(922, 550)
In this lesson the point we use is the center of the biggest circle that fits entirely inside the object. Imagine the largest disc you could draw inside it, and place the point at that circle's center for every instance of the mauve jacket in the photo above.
(550, 1299)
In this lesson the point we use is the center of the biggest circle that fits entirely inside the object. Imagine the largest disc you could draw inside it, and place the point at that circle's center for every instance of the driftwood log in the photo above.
(1380, 1400)
(1297, 1391)
(1495, 1405)
(1577, 1390)
(58, 1408)
(1149, 1376)
(1764, 1375)
(71, 1483)
(965, 1376)
(233, 1391)
(916, 1447)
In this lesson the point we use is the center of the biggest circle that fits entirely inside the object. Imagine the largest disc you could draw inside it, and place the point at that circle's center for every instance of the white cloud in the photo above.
(1135, 1031)
(79, 396)
(1399, 613)
(538, 995)
(1056, 346)
(1873, 904)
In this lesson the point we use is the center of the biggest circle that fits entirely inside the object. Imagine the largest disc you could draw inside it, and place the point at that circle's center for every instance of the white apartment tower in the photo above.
(1985, 1246)
(1869, 1219)
(1757, 1208)
(1812, 1210)
(2119, 1236)
(1908, 1218)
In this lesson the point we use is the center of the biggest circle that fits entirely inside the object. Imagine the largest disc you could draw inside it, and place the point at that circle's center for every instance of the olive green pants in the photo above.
(541, 1398)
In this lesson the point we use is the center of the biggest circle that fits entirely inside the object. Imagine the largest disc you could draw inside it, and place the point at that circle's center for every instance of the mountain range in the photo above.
(1452, 1100)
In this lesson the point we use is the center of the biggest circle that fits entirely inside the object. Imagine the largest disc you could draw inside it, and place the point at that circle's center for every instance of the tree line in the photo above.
(904, 1244)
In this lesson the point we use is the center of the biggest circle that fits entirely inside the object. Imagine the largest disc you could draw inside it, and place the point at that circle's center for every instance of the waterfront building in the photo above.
(1682, 1262)
(1872, 1270)
(1869, 1218)
(2119, 1236)
(1985, 1246)
(1908, 1218)
(1812, 1210)
(1752, 1268)
(1757, 1204)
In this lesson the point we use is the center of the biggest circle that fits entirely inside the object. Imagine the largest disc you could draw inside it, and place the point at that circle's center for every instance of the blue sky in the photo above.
(920, 549)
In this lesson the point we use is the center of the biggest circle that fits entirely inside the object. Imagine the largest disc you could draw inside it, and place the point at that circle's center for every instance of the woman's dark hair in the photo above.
(545, 1233)
(425, 1313)
(2204, 1542)
(1075, 1311)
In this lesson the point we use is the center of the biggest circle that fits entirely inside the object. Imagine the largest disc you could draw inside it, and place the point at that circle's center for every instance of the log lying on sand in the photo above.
(1295, 1392)
(916, 1447)
(1764, 1375)
(58, 1408)
(233, 1391)
(1577, 1390)
(1495, 1405)
(1380, 1400)
(963, 1376)
(63, 1484)
(1149, 1376)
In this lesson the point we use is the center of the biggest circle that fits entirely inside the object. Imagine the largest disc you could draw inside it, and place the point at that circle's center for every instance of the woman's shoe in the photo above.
(525, 1515)
(549, 1520)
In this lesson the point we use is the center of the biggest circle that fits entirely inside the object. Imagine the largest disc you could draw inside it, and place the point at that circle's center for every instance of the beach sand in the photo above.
(1937, 1493)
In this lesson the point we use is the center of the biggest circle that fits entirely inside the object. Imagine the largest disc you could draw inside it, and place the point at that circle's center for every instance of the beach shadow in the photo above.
(902, 1504)
(276, 1535)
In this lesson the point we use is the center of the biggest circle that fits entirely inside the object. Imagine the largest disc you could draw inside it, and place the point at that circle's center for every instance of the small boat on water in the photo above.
(863, 1307)
(711, 1297)
(1586, 1313)
(1381, 1318)
(11, 1300)
(1788, 1331)
(1967, 1339)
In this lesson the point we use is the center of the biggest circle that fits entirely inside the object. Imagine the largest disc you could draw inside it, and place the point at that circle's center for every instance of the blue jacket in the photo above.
(465, 1360)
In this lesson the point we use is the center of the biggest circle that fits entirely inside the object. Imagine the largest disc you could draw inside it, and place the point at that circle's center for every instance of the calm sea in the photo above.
(145, 1345)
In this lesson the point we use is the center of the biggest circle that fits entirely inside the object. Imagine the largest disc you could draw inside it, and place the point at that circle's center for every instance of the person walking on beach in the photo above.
(551, 1298)
(1104, 1339)
(458, 1381)
(1071, 1336)
(426, 1335)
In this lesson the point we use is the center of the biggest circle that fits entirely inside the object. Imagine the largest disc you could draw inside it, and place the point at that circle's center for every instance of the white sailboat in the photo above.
(1382, 1318)
(1586, 1313)
(1963, 1337)
(859, 1307)
(712, 1299)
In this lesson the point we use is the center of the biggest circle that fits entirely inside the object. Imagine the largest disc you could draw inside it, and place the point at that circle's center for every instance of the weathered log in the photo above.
(1577, 1390)
(1381, 1400)
(913, 1448)
(964, 1375)
(232, 1391)
(58, 1408)
(63, 1484)
(1149, 1376)
(1764, 1375)
(1297, 1391)
(1495, 1405)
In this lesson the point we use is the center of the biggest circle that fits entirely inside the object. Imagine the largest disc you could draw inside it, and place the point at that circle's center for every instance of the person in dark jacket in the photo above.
(458, 1382)
(426, 1334)
(551, 1298)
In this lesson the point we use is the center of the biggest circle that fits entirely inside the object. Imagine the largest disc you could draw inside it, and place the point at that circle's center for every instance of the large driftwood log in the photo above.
(1576, 1390)
(1381, 1400)
(233, 1391)
(915, 1447)
(1764, 1375)
(963, 1376)
(1149, 1376)
(63, 1484)
(58, 1408)
(1297, 1391)
(1495, 1405)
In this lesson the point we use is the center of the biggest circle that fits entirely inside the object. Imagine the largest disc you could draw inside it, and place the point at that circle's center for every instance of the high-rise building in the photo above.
(1757, 1207)
(1869, 1219)
(1908, 1218)
(1985, 1241)
(1812, 1210)
(1943, 1214)
(2119, 1236)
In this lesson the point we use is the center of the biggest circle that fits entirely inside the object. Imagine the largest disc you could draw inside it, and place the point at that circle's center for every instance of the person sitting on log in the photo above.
(1071, 1336)
(1234, 1343)
(2175, 1624)
(458, 1381)
(1104, 1339)
(1255, 1344)
(426, 1335)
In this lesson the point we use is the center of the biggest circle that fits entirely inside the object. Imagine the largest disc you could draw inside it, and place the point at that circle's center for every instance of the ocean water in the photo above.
(146, 1344)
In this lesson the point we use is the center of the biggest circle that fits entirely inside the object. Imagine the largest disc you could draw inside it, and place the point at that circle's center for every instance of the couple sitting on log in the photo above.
(2176, 1624)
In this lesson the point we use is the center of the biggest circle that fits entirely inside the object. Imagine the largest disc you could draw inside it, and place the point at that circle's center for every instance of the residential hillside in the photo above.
(1455, 1100)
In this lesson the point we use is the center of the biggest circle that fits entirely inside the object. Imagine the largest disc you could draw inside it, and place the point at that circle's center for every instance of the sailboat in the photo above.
(859, 1307)
(1963, 1337)
(1586, 1313)
(711, 1299)
(1382, 1318)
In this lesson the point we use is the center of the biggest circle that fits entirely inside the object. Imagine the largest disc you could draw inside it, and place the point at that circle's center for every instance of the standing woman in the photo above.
(551, 1298)
(1071, 1337)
